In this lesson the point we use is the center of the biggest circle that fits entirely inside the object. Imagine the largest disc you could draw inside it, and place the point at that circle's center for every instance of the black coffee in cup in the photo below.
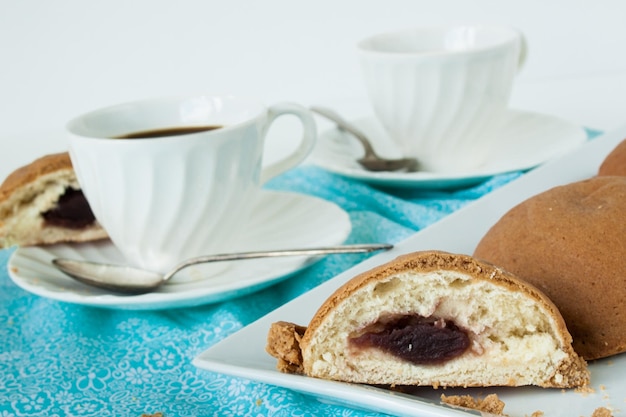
(167, 131)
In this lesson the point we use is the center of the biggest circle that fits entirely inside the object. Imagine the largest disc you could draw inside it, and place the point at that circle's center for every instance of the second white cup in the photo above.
(441, 92)
(172, 178)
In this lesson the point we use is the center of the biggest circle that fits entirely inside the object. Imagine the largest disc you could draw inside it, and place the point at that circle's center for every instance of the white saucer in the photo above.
(281, 221)
(527, 140)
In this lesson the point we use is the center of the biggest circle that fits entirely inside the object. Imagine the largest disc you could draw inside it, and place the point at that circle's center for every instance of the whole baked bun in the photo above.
(42, 203)
(570, 242)
(433, 319)
(615, 161)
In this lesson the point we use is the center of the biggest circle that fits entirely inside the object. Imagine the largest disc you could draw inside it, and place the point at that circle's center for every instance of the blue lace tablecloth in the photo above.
(59, 359)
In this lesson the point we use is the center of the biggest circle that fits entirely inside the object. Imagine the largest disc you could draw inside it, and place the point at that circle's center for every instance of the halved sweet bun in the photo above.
(42, 203)
(440, 319)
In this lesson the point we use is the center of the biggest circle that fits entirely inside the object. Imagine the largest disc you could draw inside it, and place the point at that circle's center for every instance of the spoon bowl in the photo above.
(129, 280)
(371, 161)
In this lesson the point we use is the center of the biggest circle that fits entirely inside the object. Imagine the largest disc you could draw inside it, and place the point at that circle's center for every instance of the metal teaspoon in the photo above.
(371, 160)
(129, 280)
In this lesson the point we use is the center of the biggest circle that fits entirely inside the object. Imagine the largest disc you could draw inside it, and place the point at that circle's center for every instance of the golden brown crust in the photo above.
(29, 173)
(283, 343)
(615, 162)
(569, 241)
(490, 404)
(426, 261)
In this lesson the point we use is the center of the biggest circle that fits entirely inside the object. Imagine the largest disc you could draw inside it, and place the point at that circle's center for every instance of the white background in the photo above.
(65, 57)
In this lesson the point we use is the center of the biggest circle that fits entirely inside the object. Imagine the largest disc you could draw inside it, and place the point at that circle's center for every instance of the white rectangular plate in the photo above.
(243, 354)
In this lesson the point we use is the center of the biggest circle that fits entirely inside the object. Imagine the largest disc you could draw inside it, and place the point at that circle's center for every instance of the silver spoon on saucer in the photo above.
(129, 280)
(371, 160)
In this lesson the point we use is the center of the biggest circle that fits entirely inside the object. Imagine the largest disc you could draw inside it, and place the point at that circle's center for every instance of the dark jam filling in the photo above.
(72, 211)
(414, 338)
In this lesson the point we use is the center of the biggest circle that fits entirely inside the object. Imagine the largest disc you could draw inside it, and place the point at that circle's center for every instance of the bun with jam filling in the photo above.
(436, 319)
(42, 203)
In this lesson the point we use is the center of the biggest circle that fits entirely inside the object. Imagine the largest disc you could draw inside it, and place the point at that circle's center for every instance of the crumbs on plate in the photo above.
(602, 412)
(490, 404)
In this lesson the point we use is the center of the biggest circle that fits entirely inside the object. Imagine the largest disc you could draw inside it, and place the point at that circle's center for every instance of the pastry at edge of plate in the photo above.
(433, 318)
(615, 162)
(42, 203)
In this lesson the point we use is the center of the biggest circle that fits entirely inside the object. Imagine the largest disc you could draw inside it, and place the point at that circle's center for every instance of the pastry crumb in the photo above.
(283, 342)
(598, 412)
(602, 412)
(585, 390)
(490, 404)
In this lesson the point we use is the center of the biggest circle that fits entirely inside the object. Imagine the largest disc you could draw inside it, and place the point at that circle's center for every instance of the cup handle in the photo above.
(309, 136)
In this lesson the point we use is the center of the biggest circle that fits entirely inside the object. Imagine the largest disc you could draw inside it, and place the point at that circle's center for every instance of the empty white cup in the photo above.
(440, 92)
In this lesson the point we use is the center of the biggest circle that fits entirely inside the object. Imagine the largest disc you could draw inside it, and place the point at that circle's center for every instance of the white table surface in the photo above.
(59, 59)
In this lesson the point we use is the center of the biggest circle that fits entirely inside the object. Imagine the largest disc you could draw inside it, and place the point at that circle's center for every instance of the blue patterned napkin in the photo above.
(59, 359)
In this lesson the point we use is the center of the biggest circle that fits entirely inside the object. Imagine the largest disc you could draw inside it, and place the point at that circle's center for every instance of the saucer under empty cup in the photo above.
(440, 92)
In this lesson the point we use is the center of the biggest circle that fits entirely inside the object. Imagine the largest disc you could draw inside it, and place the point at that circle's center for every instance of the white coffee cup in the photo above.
(166, 199)
(440, 92)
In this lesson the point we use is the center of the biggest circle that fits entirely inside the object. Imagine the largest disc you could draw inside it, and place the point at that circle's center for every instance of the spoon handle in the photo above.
(360, 248)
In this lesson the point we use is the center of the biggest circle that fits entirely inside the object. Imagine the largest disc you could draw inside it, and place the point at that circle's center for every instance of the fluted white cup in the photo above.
(166, 199)
(440, 92)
